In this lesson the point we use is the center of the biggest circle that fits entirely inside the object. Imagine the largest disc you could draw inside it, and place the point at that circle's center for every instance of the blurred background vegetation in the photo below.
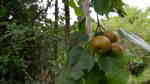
(33, 47)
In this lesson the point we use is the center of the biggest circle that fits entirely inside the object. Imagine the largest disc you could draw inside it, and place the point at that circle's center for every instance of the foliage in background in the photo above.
(136, 21)
(23, 47)
(27, 50)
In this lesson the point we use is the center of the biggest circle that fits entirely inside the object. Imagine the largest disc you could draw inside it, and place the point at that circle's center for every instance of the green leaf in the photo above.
(85, 62)
(75, 54)
(105, 6)
(80, 59)
(79, 38)
(116, 68)
(101, 6)
(65, 78)
(77, 9)
(76, 73)
(95, 76)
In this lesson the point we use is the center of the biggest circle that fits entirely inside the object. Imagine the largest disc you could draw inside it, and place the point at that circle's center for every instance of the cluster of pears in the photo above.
(107, 42)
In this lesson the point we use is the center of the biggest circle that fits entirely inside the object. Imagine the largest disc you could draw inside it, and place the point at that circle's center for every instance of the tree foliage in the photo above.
(104, 7)
(36, 49)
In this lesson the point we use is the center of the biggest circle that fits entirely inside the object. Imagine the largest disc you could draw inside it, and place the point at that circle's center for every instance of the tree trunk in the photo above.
(55, 53)
(67, 22)
(56, 29)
